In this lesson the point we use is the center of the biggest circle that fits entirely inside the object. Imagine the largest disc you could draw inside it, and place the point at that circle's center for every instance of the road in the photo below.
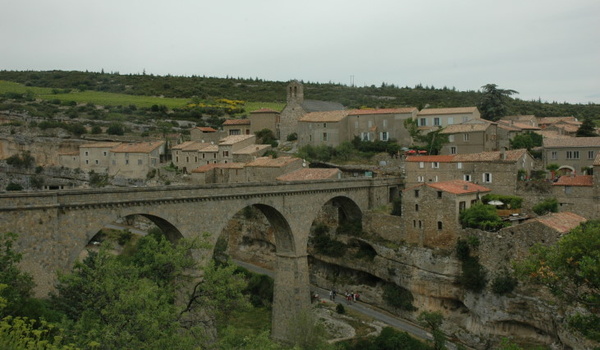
(363, 308)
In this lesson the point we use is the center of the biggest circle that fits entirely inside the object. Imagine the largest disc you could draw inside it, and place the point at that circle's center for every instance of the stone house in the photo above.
(565, 127)
(264, 118)
(186, 155)
(311, 174)
(214, 173)
(472, 136)
(268, 169)
(206, 134)
(430, 211)
(135, 160)
(237, 127)
(380, 124)
(497, 170)
(544, 122)
(69, 160)
(209, 155)
(435, 118)
(96, 156)
(576, 193)
(227, 146)
(323, 128)
(572, 154)
(296, 107)
(249, 153)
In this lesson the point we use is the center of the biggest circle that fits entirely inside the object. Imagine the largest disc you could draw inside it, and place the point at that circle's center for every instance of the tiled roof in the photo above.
(205, 129)
(306, 174)
(140, 147)
(211, 148)
(509, 156)
(572, 142)
(233, 139)
(252, 149)
(322, 117)
(407, 110)
(459, 110)
(268, 162)
(264, 110)
(517, 125)
(236, 122)
(551, 134)
(207, 167)
(100, 145)
(458, 187)
(578, 180)
(552, 120)
(561, 222)
(465, 128)
(440, 159)
(183, 145)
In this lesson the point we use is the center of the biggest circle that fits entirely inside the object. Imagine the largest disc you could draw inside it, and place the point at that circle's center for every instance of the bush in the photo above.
(504, 283)
(340, 309)
(292, 137)
(398, 297)
(473, 276)
(482, 216)
(14, 187)
(549, 205)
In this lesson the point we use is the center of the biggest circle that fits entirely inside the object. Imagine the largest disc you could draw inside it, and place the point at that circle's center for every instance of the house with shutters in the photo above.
(380, 124)
(135, 160)
(430, 119)
(573, 155)
(237, 127)
(472, 136)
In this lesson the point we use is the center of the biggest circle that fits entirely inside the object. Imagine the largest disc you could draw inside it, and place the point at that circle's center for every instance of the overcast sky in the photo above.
(548, 49)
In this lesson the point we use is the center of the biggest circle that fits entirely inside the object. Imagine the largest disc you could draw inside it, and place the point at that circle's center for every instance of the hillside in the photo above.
(258, 90)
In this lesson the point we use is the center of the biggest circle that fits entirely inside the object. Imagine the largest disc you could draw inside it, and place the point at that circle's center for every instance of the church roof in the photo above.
(327, 116)
(320, 106)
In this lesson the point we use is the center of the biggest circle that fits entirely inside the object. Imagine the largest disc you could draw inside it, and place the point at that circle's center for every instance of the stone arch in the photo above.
(565, 170)
(169, 230)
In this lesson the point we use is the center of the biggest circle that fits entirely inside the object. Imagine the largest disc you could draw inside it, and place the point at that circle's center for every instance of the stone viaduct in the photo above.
(55, 226)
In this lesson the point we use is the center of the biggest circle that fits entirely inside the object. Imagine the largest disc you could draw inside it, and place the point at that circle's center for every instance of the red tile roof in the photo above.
(458, 187)
(236, 122)
(561, 222)
(440, 159)
(509, 156)
(307, 174)
(407, 110)
(572, 142)
(459, 110)
(269, 162)
(578, 180)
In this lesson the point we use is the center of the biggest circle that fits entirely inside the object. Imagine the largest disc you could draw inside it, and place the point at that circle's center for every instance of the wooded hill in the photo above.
(258, 90)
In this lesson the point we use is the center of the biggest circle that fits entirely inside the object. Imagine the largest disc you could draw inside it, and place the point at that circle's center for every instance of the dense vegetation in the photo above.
(206, 88)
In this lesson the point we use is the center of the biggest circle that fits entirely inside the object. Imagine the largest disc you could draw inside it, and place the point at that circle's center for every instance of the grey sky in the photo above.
(546, 49)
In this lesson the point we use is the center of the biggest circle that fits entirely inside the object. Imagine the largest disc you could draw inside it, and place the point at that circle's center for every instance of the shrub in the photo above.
(351, 228)
(473, 276)
(292, 137)
(503, 283)
(481, 216)
(548, 205)
(398, 297)
(340, 309)
(14, 187)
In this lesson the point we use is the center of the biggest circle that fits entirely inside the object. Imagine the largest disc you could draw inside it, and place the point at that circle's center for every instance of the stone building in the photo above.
(573, 154)
(435, 118)
(95, 156)
(186, 155)
(323, 128)
(576, 193)
(229, 145)
(215, 173)
(249, 153)
(264, 118)
(499, 171)
(472, 136)
(237, 127)
(380, 124)
(268, 169)
(297, 106)
(206, 134)
(430, 211)
(135, 160)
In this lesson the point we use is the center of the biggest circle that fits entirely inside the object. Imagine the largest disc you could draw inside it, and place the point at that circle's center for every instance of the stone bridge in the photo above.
(55, 226)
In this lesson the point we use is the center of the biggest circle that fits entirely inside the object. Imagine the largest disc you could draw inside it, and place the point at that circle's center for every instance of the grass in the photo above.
(113, 99)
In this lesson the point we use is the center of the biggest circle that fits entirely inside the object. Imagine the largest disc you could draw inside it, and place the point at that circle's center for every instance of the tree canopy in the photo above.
(494, 102)
(587, 128)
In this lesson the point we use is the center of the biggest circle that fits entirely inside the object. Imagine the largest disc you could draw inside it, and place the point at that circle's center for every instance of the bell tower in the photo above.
(295, 92)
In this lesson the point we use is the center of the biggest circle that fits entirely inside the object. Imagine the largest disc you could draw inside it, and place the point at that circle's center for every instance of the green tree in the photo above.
(526, 140)
(548, 205)
(493, 104)
(18, 284)
(481, 216)
(571, 270)
(96, 130)
(587, 128)
(266, 137)
(115, 129)
(433, 321)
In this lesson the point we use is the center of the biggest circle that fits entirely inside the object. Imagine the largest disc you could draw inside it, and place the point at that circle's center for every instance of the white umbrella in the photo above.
(495, 202)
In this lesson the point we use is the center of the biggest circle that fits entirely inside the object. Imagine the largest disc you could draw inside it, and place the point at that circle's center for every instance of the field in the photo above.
(112, 99)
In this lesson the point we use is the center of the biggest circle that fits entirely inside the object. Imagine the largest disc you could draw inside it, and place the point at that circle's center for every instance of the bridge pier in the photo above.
(291, 293)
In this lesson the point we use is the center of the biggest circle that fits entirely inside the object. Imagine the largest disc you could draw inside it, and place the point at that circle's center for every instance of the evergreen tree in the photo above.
(587, 129)
(494, 101)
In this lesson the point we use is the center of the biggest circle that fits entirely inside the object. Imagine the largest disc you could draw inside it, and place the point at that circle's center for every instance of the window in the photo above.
(225, 153)
(450, 138)
(568, 190)
(416, 207)
(416, 193)
(87, 161)
(97, 162)
(140, 162)
(196, 159)
(105, 153)
(421, 165)
(420, 224)
(437, 121)
(423, 122)
(467, 177)
(465, 119)
(590, 154)
(453, 150)
(187, 159)
(235, 132)
(365, 136)
(435, 165)
(487, 178)
(420, 178)
(450, 120)
(324, 136)
(176, 159)
(465, 137)
(462, 206)
(87, 153)
(572, 154)
(459, 165)
(414, 223)
(384, 136)
(439, 194)
(114, 162)
(554, 155)
(440, 226)
(324, 125)
(126, 161)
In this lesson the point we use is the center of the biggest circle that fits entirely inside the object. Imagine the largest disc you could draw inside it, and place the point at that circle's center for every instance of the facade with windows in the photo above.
(381, 124)
(499, 171)
(473, 136)
(431, 211)
(574, 155)
(95, 156)
(323, 128)
(237, 127)
(430, 119)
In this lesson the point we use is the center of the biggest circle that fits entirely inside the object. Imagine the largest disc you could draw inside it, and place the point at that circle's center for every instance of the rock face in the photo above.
(526, 314)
